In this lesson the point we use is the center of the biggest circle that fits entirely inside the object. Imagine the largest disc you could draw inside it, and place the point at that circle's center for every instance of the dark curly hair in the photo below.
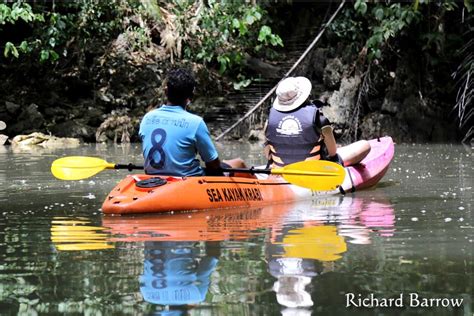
(180, 84)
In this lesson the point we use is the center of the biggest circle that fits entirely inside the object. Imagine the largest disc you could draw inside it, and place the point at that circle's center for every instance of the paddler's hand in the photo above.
(213, 168)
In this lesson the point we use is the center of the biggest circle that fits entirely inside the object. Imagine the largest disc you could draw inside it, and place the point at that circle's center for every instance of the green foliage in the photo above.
(386, 22)
(227, 32)
(219, 34)
(18, 11)
(348, 27)
(428, 27)
(58, 28)
(377, 25)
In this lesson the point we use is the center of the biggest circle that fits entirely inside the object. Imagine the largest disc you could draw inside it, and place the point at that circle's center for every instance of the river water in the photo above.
(410, 239)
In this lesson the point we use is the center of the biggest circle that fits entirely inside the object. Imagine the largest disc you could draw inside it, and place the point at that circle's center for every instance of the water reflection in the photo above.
(313, 237)
(303, 240)
(296, 256)
(213, 225)
(176, 273)
(76, 234)
(429, 251)
(181, 253)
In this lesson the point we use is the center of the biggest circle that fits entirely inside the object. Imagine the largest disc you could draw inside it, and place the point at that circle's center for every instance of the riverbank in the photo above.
(101, 95)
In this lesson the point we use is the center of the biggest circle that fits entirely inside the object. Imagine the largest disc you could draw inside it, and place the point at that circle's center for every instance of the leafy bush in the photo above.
(216, 33)
(220, 34)
(376, 25)
(12, 14)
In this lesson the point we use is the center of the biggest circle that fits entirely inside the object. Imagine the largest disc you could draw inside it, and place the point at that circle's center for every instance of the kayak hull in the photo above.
(198, 193)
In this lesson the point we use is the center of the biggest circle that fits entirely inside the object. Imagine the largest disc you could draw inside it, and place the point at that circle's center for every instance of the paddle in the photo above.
(318, 175)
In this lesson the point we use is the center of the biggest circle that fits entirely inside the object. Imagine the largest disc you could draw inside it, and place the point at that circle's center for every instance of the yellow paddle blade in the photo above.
(318, 175)
(77, 167)
(314, 242)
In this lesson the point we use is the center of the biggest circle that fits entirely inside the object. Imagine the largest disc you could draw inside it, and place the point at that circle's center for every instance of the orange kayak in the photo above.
(140, 193)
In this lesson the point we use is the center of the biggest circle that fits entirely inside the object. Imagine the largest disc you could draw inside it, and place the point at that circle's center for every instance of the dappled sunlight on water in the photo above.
(60, 254)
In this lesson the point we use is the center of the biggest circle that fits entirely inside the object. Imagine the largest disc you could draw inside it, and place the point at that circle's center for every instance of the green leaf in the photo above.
(379, 14)
(257, 15)
(52, 42)
(242, 28)
(10, 49)
(235, 23)
(416, 4)
(242, 84)
(400, 25)
(469, 6)
(377, 53)
(61, 24)
(23, 46)
(249, 19)
(265, 31)
(4, 13)
(54, 55)
(39, 17)
(223, 62)
(44, 55)
(360, 6)
(15, 13)
(357, 5)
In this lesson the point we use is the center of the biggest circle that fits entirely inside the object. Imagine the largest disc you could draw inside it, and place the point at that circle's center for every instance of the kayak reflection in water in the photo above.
(176, 273)
(302, 241)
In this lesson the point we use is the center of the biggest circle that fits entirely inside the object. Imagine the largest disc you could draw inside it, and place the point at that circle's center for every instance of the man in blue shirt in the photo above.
(171, 136)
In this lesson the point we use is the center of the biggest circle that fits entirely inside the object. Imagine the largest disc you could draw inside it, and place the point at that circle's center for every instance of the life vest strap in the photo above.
(353, 189)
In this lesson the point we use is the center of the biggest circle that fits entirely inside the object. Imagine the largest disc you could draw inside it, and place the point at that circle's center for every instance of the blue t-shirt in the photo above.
(171, 138)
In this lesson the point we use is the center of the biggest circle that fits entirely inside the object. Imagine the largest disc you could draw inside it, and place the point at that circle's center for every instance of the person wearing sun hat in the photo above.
(297, 130)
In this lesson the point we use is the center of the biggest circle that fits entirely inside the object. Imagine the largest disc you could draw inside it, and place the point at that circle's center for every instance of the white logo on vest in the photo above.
(289, 125)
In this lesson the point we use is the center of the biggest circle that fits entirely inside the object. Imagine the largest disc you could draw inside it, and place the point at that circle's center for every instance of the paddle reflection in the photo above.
(301, 241)
(76, 234)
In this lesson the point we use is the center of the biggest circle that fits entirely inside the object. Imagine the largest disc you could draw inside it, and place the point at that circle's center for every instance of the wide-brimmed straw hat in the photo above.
(291, 93)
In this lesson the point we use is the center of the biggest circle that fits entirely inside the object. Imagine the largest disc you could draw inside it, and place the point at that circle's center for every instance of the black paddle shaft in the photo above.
(129, 167)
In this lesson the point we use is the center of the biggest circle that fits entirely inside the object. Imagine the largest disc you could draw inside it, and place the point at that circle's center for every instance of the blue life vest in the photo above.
(294, 136)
